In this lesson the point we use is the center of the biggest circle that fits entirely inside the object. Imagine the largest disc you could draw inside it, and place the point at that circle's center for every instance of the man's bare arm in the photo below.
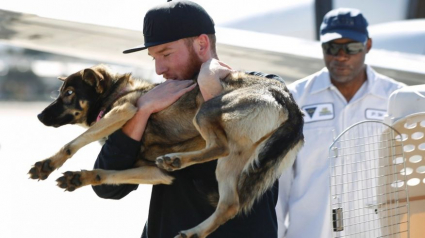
(155, 100)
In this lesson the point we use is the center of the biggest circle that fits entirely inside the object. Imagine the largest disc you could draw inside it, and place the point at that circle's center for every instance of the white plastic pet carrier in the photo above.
(377, 172)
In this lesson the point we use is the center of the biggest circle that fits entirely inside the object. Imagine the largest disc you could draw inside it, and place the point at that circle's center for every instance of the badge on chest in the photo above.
(375, 114)
(318, 112)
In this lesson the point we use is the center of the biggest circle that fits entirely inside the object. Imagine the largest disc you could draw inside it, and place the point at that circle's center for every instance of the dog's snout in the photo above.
(40, 117)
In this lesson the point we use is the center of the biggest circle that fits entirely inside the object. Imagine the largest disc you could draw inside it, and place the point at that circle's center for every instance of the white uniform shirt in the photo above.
(304, 191)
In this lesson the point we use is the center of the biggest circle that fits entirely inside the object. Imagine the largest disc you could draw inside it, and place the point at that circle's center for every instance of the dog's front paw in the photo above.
(73, 180)
(69, 181)
(169, 162)
(41, 170)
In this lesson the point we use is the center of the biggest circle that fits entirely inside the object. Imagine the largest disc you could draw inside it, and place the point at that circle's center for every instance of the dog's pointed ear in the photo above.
(94, 78)
(62, 78)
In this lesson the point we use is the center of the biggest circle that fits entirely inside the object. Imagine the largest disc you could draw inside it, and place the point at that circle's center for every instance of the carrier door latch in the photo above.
(337, 219)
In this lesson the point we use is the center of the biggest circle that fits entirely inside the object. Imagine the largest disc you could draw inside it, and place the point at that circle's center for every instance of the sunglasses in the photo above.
(351, 48)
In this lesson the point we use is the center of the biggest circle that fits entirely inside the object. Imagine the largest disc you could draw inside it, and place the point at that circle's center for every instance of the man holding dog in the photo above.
(341, 94)
(180, 37)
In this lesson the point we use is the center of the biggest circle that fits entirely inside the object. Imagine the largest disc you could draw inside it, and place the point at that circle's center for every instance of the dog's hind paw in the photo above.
(168, 162)
(41, 170)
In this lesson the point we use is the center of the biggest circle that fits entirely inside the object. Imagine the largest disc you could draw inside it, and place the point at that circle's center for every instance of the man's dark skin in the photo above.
(348, 72)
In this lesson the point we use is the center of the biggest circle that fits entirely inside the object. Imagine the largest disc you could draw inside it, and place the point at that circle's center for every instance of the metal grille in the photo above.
(368, 188)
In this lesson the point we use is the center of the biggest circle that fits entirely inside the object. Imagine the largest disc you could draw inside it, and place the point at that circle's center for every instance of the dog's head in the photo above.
(79, 93)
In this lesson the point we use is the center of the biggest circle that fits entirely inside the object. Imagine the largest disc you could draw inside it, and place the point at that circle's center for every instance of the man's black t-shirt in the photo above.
(183, 205)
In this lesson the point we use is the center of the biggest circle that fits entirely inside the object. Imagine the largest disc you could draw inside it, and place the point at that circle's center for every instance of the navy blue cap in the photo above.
(173, 21)
(344, 23)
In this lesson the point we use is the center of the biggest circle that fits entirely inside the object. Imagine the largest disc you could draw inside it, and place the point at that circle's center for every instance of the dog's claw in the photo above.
(61, 179)
(71, 189)
(33, 173)
(63, 185)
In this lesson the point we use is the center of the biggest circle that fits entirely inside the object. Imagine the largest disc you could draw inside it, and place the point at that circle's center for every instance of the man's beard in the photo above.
(347, 77)
(193, 66)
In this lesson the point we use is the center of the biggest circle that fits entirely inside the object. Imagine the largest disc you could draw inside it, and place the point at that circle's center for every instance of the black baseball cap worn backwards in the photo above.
(174, 21)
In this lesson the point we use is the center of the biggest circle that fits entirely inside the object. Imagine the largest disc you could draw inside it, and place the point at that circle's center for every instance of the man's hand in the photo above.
(157, 99)
(163, 95)
(209, 78)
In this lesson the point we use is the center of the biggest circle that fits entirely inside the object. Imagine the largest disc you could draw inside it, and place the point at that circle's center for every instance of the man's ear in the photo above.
(203, 47)
(368, 45)
(94, 78)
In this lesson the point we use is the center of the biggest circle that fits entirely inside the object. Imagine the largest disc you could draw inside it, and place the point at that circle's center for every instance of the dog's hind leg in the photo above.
(216, 147)
(140, 175)
(228, 172)
(112, 121)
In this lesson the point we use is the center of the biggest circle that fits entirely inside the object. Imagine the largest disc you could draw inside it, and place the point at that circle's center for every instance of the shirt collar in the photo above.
(374, 87)
(323, 82)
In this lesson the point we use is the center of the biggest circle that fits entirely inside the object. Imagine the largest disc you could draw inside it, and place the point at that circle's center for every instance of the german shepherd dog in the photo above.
(254, 129)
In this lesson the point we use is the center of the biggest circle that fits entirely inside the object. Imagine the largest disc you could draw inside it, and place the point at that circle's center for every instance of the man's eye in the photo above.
(166, 55)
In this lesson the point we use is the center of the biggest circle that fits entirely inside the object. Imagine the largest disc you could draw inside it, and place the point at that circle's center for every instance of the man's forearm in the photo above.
(135, 127)
(120, 152)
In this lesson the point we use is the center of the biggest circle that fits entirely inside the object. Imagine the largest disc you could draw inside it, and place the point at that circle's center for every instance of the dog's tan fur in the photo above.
(251, 117)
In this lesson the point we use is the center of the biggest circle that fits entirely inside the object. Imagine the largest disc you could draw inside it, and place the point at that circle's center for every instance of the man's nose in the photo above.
(160, 67)
(341, 55)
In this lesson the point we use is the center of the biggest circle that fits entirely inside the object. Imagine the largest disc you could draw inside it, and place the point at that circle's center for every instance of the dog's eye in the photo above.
(69, 92)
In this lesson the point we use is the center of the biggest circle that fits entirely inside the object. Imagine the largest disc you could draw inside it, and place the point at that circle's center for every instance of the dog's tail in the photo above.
(277, 152)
